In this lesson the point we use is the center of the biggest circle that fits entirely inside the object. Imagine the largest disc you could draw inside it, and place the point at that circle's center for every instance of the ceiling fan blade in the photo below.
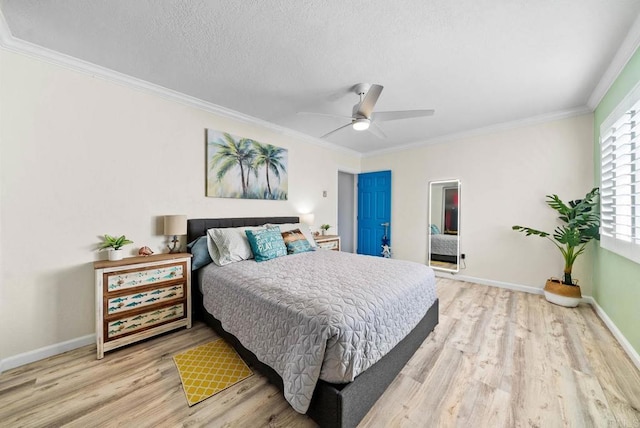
(377, 131)
(382, 116)
(310, 113)
(335, 130)
(370, 99)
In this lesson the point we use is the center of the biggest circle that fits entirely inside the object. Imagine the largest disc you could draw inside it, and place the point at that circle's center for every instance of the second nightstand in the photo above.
(328, 242)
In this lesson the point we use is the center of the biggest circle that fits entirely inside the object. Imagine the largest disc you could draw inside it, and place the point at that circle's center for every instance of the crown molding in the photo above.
(12, 44)
(505, 126)
(626, 50)
(5, 32)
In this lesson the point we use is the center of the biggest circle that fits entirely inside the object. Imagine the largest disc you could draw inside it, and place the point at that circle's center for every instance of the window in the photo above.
(620, 179)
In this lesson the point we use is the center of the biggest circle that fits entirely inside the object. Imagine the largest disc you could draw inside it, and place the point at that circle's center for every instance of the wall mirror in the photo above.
(444, 225)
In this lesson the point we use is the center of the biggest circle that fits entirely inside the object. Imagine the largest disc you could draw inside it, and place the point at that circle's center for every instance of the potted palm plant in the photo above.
(581, 224)
(114, 245)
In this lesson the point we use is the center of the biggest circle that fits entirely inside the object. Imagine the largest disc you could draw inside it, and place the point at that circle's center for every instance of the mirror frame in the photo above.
(456, 183)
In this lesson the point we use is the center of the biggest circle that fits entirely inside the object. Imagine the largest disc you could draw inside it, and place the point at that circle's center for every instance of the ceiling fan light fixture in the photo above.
(361, 124)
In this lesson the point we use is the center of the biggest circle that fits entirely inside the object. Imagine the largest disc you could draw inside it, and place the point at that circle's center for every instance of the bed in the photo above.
(444, 248)
(338, 401)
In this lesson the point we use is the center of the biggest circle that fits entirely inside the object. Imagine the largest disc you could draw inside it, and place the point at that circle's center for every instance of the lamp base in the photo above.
(174, 248)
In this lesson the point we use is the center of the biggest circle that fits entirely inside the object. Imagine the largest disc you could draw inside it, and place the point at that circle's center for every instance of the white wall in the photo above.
(81, 156)
(346, 211)
(504, 179)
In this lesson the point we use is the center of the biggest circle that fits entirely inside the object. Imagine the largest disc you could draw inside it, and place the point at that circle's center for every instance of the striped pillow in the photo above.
(296, 242)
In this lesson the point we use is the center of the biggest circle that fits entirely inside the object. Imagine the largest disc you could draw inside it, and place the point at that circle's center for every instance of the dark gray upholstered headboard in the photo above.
(197, 227)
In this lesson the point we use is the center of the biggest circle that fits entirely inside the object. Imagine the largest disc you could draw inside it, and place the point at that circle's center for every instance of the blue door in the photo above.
(374, 210)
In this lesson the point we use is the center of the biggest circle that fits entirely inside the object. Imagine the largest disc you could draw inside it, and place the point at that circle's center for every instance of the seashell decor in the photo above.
(145, 251)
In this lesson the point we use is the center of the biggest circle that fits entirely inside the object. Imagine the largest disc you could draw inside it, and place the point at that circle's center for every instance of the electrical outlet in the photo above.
(462, 256)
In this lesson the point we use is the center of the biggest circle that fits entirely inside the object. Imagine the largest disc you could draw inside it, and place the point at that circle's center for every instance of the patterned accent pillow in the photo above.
(198, 248)
(266, 244)
(296, 241)
(230, 244)
(305, 229)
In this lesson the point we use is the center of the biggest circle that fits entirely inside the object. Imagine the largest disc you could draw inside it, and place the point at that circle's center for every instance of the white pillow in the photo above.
(304, 228)
(229, 244)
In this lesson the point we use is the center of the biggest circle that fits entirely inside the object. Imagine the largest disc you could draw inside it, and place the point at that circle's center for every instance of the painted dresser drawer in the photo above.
(328, 242)
(329, 245)
(139, 278)
(141, 299)
(144, 320)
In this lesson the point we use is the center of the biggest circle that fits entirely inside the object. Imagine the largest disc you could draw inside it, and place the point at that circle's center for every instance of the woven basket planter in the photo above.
(561, 294)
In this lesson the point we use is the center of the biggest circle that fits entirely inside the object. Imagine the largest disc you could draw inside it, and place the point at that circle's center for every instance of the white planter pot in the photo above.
(115, 255)
(567, 302)
(568, 296)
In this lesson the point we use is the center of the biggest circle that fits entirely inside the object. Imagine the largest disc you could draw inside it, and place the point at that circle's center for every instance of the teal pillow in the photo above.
(200, 252)
(434, 229)
(266, 244)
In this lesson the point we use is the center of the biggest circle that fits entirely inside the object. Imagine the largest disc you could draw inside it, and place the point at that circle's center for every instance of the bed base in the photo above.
(340, 405)
(332, 405)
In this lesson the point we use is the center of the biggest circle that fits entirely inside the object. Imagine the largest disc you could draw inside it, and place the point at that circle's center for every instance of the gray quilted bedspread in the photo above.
(446, 245)
(323, 314)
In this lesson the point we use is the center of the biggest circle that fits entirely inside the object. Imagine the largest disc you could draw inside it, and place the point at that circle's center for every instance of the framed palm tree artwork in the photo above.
(243, 168)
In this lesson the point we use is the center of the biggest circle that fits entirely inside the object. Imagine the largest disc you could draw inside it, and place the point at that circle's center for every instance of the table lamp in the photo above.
(175, 225)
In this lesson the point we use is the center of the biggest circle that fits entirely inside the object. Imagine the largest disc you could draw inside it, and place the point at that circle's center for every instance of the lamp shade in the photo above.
(175, 225)
(307, 219)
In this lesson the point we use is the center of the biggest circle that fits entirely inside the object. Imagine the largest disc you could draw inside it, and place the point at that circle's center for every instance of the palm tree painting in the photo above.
(244, 168)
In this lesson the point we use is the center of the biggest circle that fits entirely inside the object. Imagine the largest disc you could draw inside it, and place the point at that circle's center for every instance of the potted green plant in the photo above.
(581, 224)
(114, 245)
(324, 228)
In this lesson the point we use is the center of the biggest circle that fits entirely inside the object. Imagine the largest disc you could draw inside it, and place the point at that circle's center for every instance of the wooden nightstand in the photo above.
(140, 297)
(328, 242)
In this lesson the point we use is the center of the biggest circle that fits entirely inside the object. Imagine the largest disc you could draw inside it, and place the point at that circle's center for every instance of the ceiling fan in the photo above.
(364, 118)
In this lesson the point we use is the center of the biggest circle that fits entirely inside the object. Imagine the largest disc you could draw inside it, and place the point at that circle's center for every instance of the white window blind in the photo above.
(620, 179)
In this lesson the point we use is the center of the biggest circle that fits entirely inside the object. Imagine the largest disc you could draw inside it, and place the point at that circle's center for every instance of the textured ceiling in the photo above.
(476, 62)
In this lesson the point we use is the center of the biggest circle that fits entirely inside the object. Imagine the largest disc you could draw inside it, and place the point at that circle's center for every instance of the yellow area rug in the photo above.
(209, 369)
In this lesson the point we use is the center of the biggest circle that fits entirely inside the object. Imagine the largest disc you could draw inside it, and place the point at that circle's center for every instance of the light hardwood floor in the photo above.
(498, 358)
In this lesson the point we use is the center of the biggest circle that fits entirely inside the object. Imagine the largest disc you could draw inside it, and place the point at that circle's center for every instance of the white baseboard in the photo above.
(631, 352)
(491, 282)
(45, 352)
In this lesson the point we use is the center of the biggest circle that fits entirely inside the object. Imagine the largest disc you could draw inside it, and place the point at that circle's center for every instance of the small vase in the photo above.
(115, 255)
(323, 232)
